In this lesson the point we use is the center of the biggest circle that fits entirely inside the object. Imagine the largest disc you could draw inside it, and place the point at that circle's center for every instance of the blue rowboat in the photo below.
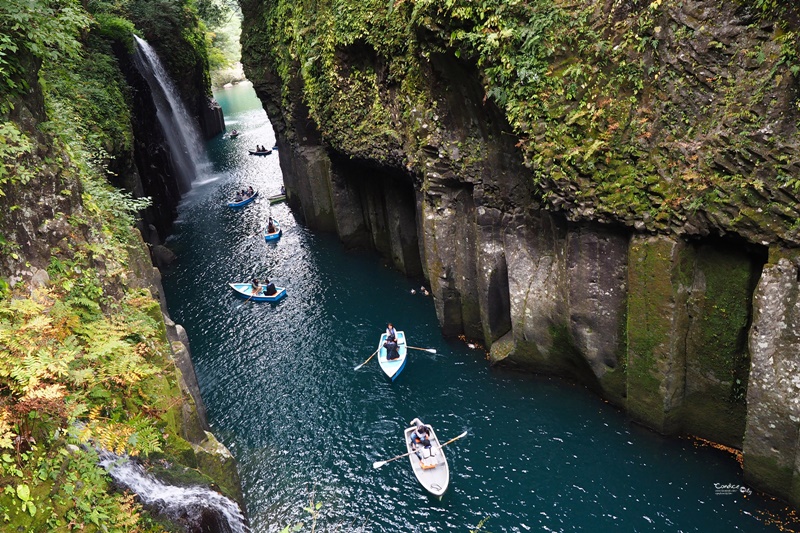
(243, 202)
(245, 290)
(275, 235)
(393, 368)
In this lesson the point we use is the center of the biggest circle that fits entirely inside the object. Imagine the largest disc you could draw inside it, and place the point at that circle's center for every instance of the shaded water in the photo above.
(281, 393)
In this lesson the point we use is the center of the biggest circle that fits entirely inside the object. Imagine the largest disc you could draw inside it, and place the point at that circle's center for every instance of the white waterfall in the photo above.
(196, 507)
(183, 137)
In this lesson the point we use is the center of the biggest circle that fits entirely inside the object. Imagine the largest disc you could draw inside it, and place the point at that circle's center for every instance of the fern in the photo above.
(6, 433)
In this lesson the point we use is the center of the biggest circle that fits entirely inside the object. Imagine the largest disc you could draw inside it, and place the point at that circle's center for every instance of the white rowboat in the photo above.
(431, 468)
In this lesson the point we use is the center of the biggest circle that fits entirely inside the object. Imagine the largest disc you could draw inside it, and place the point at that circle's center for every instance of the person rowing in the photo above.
(255, 285)
(421, 439)
(271, 226)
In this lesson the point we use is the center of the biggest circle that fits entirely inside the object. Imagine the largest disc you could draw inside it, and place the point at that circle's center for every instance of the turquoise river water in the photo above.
(278, 381)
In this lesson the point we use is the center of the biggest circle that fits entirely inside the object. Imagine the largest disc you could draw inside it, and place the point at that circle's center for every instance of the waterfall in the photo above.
(199, 509)
(180, 129)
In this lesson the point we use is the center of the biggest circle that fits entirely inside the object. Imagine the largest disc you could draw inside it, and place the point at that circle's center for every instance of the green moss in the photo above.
(766, 474)
(656, 271)
(718, 341)
(709, 414)
(605, 118)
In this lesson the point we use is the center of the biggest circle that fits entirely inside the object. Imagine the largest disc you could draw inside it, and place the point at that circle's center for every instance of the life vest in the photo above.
(417, 437)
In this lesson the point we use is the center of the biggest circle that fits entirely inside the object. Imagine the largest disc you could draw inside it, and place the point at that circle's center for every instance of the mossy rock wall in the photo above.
(593, 184)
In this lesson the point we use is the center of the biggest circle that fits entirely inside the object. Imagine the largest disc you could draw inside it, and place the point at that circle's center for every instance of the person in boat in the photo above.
(256, 285)
(390, 331)
(391, 348)
(271, 226)
(238, 197)
(283, 190)
(270, 289)
(250, 191)
(421, 439)
(235, 132)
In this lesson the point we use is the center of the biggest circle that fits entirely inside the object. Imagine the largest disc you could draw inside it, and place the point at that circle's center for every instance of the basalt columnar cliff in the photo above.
(606, 190)
(88, 357)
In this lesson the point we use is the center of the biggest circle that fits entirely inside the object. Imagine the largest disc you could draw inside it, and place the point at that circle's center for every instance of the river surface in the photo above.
(278, 381)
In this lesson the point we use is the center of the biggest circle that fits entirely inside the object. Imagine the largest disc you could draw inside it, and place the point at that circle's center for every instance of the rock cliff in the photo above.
(87, 353)
(603, 190)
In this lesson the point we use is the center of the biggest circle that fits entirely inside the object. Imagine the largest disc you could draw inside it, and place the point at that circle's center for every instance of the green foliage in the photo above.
(45, 29)
(15, 147)
(83, 360)
(93, 88)
(116, 28)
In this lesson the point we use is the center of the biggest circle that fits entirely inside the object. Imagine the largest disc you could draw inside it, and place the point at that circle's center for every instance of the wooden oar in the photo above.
(429, 350)
(378, 464)
(248, 299)
(367, 361)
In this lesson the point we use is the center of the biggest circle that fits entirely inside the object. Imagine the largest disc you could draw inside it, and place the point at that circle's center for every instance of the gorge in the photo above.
(605, 191)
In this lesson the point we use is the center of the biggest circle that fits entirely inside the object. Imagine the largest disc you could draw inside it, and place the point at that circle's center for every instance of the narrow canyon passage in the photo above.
(281, 392)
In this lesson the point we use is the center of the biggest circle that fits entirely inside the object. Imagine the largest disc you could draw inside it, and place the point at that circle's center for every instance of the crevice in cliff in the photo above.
(719, 309)
(375, 206)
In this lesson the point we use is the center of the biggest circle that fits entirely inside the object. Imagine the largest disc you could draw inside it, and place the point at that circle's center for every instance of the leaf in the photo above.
(23, 492)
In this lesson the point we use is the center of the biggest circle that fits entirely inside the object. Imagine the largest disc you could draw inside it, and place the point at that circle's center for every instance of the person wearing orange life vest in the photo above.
(420, 438)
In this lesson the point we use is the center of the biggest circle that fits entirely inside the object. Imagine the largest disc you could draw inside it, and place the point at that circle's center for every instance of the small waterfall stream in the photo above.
(182, 134)
(198, 508)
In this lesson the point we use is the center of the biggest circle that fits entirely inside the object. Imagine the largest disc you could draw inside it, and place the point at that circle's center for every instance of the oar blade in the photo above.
(430, 350)
(378, 464)
(455, 439)
(359, 366)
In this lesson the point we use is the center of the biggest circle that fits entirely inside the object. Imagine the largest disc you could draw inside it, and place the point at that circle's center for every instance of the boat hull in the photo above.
(254, 152)
(243, 202)
(393, 368)
(245, 290)
(435, 477)
(278, 198)
(274, 236)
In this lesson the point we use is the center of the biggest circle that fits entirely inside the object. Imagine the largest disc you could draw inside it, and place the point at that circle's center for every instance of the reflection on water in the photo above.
(281, 392)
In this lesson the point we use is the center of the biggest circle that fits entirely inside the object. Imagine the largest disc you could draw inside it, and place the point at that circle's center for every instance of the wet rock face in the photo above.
(597, 274)
(771, 446)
